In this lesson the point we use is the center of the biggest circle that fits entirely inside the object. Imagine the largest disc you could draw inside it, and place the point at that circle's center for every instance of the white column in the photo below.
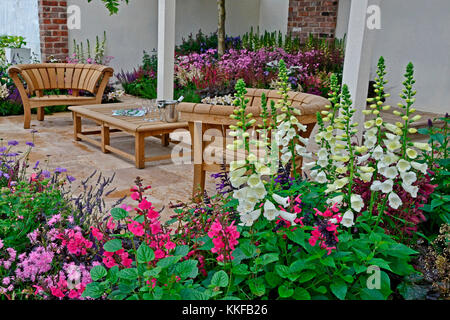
(358, 56)
(166, 48)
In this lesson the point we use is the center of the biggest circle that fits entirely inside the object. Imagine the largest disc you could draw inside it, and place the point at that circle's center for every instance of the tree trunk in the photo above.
(221, 27)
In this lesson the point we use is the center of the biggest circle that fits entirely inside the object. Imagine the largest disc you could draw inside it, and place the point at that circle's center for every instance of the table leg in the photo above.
(196, 130)
(76, 126)
(139, 150)
(165, 140)
(105, 138)
(40, 114)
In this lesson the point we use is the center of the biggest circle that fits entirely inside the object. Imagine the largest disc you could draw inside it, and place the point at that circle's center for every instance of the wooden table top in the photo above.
(103, 113)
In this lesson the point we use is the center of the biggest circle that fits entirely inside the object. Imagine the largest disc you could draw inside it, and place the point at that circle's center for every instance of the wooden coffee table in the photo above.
(135, 126)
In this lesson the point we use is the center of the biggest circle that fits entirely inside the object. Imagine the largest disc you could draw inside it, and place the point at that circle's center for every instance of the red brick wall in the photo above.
(53, 30)
(312, 17)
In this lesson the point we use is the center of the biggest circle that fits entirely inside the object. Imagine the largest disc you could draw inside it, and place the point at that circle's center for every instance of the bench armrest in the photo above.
(107, 73)
(14, 72)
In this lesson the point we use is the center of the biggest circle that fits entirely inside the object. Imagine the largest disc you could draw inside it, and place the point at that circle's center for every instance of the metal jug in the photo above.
(169, 109)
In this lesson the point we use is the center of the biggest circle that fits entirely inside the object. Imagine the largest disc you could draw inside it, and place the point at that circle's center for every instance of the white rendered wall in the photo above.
(20, 18)
(273, 15)
(416, 31)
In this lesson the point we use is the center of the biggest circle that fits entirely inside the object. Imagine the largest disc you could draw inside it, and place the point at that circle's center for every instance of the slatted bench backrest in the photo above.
(48, 76)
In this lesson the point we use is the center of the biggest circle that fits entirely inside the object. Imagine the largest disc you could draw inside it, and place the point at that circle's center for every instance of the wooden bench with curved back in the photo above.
(66, 76)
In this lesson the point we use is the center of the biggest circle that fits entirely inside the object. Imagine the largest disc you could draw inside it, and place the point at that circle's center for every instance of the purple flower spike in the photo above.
(13, 143)
(36, 165)
(60, 170)
(31, 144)
(71, 179)
(46, 174)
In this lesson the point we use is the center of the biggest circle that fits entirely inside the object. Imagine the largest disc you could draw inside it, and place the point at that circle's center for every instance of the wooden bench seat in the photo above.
(203, 117)
(32, 79)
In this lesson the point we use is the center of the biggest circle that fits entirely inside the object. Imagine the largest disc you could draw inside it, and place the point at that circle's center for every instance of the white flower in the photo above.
(259, 191)
(363, 158)
(394, 200)
(393, 137)
(301, 127)
(388, 159)
(240, 194)
(357, 202)
(237, 164)
(392, 145)
(412, 154)
(322, 154)
(245, 206)
(238, 181)
(403, 165)
(377, 153)
(366, 169)
(286, 157)
(288, 216)
(370, 142)
(280, 200)
(262, 169)
(412, 190)
(285, 141)
(422, 146)
(340, 183)
(391, 127)
(321, 177)
(248, 219)
(290, 134)
(322, 162)
(408, 177)
(366, 177)
(308, 165)
(422, 167)
(238, 173)
(386, 186)
(347, 219)
(254, 180)
(270, 212)
(337, 199)
(303, 140)
(389, 172)
(300, 149)
(376, 185)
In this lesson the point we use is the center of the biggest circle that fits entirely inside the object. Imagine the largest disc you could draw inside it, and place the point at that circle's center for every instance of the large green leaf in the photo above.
(145, 254)
(93, 290)
(128, 274)
(282, 270)
(257, 286)
(285, 292)
(182, 250)
(301, 294)
(306, 276)
(241, 269)
(269, 258)
(339, 289)
(119, 214)
(113, 245)
(371, 294)
(187, 269)
(98, 272)
(220, 279)
(168, 261)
